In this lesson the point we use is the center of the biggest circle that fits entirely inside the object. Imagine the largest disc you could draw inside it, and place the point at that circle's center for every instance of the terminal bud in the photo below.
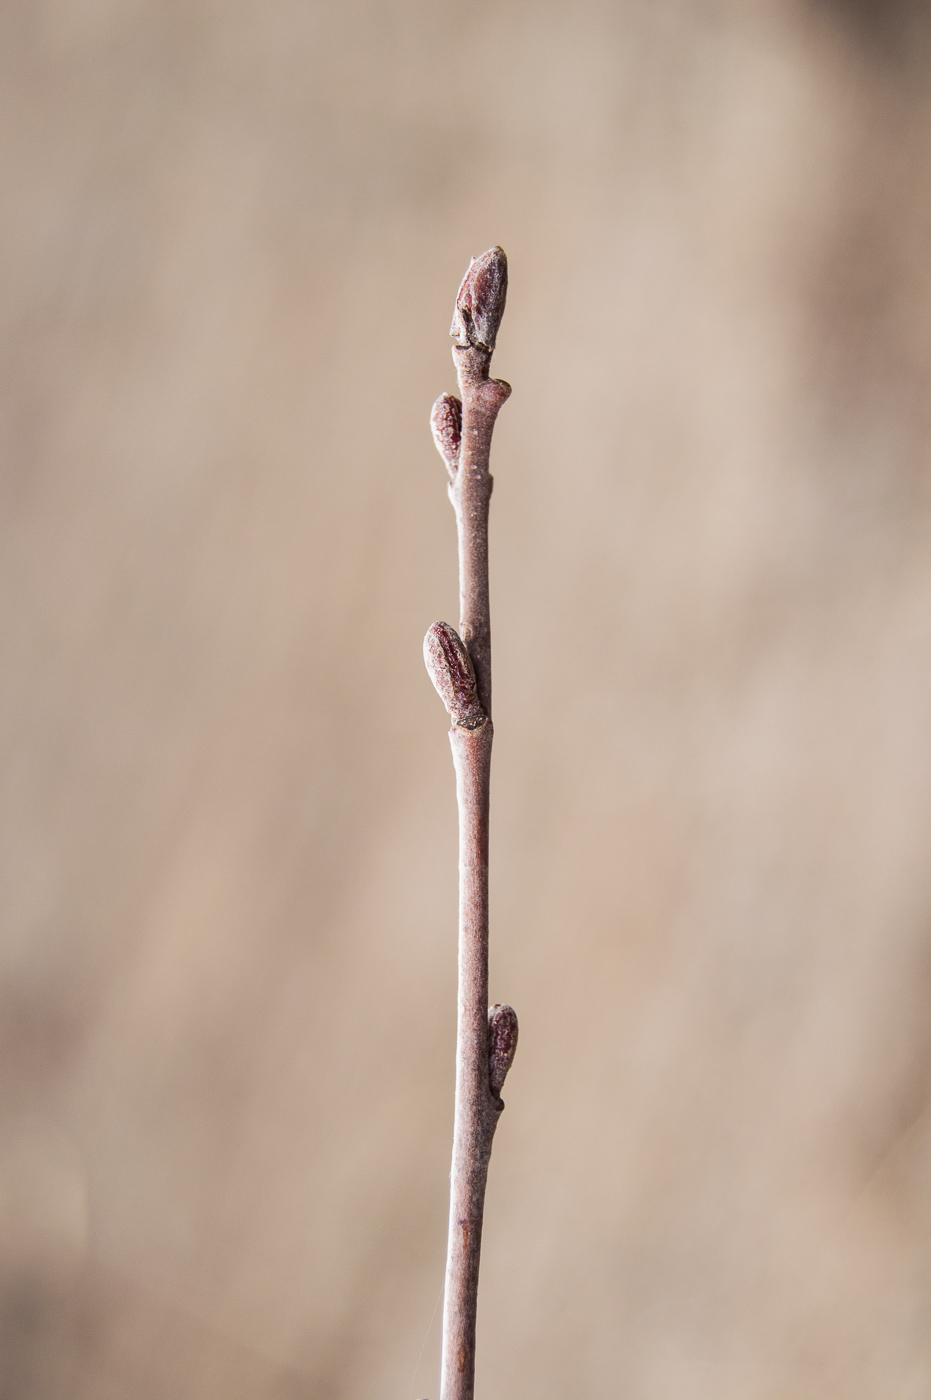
(480, 303)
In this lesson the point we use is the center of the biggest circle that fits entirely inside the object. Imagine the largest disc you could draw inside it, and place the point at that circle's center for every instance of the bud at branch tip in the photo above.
(480, 303)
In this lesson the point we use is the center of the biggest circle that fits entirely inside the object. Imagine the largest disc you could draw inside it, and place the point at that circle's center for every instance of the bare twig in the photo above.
(460, 667)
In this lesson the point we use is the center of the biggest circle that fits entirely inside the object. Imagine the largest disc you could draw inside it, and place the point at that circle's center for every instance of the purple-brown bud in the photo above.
(502, 1043)
(446, 424)
(449, 667)
(480, 303)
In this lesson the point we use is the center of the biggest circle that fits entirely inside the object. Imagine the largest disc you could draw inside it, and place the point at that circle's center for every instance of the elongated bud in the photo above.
(446, 424)
(480, 303)
(449, 667)
(502, 1043)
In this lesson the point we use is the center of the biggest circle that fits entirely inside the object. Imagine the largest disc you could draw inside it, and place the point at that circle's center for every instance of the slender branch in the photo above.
(460, 667)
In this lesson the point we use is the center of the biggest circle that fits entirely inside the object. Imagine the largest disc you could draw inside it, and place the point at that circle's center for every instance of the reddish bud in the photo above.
(449, 667)
(502, 1043)
(446, 424)
(480, 303)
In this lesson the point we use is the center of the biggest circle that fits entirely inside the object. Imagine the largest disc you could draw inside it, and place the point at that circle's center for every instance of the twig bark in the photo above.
(460, 667)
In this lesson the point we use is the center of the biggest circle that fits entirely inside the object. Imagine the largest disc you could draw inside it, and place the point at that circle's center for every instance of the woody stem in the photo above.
(477, 1106)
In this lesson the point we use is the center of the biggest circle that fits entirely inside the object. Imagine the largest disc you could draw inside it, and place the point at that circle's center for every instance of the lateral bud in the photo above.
(449, 667)
(502, 1043)
(446, 426)
(480, 303)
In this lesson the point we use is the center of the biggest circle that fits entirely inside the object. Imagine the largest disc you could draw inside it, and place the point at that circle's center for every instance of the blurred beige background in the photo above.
(231, 238)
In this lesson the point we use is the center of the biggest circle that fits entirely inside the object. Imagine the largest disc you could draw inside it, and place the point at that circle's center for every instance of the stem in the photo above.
(470, 493)
(476, 1109)
(460, 667)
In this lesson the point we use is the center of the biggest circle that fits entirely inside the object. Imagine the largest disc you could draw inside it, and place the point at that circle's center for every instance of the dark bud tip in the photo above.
(449, 667)
(502, 1043)
(446, 425)
(480, 303)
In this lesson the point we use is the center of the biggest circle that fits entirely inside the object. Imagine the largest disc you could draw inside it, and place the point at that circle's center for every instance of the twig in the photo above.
(460, 668)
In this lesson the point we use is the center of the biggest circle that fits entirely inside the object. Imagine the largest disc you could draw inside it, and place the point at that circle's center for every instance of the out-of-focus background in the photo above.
(231, 236)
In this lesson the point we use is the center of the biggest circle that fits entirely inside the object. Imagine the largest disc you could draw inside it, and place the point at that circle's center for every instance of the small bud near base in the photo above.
(446, 426)
(449, 667)
(502, 1043)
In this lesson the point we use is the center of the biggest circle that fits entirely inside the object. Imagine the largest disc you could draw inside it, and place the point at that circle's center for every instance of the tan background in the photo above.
(230, 238)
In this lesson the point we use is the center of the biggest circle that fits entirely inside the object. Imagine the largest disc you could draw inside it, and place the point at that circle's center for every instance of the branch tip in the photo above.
(449, 667)
(502, 1043)
(480, 303)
